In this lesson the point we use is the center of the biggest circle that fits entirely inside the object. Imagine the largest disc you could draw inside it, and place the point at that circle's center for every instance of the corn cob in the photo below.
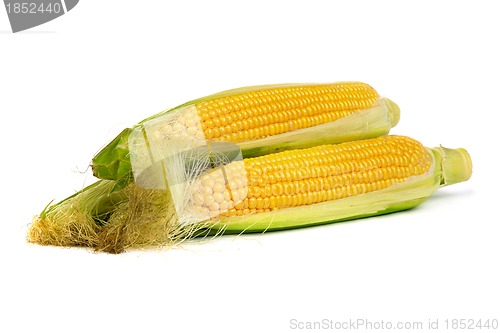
(261, 120)
(318, 184)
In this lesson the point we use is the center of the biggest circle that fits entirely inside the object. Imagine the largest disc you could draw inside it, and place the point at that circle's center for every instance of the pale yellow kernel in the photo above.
(242, 193)
(204, 211)
(233, 185)
(219, 187)
(218, 197)
(235, 196)
(214, 207)
(206, 190)
(208, 181)
(208, 200)
(240, 183)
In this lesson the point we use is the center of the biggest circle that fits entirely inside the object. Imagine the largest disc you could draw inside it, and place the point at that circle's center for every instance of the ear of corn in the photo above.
(399, 180)
(261, 120)
(314, 185)
(290, 189)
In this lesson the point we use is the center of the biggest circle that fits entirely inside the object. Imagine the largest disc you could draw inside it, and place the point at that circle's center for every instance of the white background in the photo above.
(69, 86)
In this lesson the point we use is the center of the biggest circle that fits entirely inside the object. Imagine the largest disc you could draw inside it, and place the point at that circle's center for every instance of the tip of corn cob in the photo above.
(393, 111)
(456, 165)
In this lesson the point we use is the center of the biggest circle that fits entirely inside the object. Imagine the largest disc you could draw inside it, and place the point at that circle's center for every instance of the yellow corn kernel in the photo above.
(315, 174)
